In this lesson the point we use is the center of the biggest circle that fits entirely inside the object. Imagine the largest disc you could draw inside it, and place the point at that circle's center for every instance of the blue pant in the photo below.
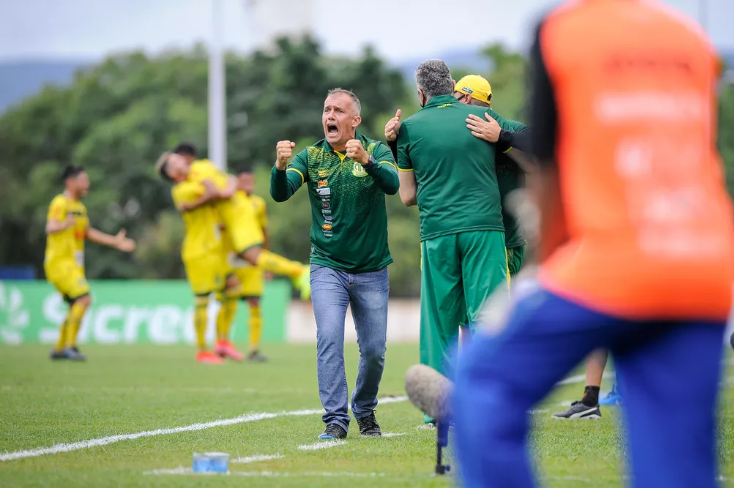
(670, 373)
(331, 292)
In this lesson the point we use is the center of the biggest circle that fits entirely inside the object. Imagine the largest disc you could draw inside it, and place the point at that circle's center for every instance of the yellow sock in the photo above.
(225, 317)
(200, 321)
(61, 343)
(74, 323)
(277, 264)
(256, 327)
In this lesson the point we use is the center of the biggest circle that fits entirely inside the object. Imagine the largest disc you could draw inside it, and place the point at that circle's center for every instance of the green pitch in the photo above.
(131, 389)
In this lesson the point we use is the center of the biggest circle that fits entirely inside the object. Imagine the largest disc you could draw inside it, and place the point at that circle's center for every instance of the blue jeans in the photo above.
(331, 292)
(669, 370)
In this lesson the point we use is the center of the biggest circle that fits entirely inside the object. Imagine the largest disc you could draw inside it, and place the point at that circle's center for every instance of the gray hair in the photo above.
(433, 78)
(350, 94)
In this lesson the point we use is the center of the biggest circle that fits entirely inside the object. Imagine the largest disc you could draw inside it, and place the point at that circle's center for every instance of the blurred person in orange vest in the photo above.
(636, 252)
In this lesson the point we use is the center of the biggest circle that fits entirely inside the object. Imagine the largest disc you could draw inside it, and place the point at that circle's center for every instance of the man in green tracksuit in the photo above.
(450, 174)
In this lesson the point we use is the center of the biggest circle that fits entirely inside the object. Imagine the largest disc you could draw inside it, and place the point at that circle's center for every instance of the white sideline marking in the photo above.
(392, 434)
(269, 474)
(537, 411)
(103, 441)
(580, 378)
(322, 445)
(426, 427)
(255, 459)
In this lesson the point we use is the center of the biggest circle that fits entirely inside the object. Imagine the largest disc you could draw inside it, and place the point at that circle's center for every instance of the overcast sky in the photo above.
(89, 29)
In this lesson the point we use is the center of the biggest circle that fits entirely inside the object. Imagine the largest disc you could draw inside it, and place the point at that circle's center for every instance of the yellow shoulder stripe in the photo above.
(303, 180)
(405, 170)
(508, 150)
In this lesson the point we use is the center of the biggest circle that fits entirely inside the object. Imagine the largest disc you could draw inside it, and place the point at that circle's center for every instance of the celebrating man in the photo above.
(348, 176)
(67, 227)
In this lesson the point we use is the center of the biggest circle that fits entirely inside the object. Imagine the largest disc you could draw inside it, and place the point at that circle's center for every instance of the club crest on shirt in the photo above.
(323, 173)
(358, 170)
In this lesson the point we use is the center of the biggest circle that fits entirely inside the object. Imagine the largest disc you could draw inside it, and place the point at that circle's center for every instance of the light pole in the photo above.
(217, 107)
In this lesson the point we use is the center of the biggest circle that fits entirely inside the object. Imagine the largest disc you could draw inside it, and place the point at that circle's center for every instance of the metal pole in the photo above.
(217, 107)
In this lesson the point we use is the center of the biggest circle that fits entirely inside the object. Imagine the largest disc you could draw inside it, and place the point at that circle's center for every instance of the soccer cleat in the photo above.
(303, 282)
(73, 354)
(207, 357)
(58, 354)
(257, 357)
(225, 349)
(578, 410)
(333, 431)
(368, 426)
(612, 398)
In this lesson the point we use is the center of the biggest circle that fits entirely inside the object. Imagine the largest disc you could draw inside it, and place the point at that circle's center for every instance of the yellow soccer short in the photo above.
(68, 279)
(242, 226)
(205, 273)
(252, 281)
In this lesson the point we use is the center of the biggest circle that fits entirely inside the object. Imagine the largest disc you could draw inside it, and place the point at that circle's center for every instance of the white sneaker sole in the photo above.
(580, 415)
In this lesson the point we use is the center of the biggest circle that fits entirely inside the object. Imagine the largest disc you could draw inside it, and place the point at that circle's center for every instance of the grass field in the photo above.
(130, 389)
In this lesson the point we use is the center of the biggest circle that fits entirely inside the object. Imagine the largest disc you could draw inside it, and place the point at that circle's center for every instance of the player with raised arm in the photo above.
(67, 227)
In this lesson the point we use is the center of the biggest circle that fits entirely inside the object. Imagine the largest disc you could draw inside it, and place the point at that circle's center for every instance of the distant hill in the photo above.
(20, 79)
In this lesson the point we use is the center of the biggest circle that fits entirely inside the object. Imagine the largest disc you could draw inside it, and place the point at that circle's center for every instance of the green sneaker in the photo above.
(303, 282)
(428, 420)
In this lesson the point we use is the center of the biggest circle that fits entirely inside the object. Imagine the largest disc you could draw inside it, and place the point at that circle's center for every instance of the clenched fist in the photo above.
(393, 127)
(284, 153)
(356, 151)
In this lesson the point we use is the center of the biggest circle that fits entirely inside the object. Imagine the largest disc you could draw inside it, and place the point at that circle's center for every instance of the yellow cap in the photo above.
(476, 86)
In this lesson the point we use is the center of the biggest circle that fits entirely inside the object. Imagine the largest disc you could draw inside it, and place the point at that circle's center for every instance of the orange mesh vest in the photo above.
(649, 219)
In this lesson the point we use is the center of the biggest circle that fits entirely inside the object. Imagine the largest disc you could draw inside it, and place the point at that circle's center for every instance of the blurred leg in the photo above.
(500, 378)
(671, 383)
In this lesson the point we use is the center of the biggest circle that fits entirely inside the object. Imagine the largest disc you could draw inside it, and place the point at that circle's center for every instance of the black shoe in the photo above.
(578, 410)
(56, 354)
(368, 426)
(257, 357)
(73, 354)
(333, 431)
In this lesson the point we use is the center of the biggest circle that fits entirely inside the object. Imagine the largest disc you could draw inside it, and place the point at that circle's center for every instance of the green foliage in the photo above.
(118, 116)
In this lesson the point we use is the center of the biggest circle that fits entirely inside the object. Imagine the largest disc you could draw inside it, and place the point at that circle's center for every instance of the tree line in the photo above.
(116, 117)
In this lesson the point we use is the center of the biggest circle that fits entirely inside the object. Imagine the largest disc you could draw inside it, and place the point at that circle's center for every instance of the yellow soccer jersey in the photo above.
(67, 245)
(235, 213)
(261, 211)
(259, 216)
(202, 223)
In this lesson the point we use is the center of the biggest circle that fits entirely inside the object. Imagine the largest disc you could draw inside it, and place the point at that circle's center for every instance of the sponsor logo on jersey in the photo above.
(326, 227)
(358, 170)
(327, 218)
(323, 183)
(324, 191)
(322, 173)
(325, 204)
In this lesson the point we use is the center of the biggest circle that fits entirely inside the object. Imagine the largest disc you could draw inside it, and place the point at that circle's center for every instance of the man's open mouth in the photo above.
(332, 128)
